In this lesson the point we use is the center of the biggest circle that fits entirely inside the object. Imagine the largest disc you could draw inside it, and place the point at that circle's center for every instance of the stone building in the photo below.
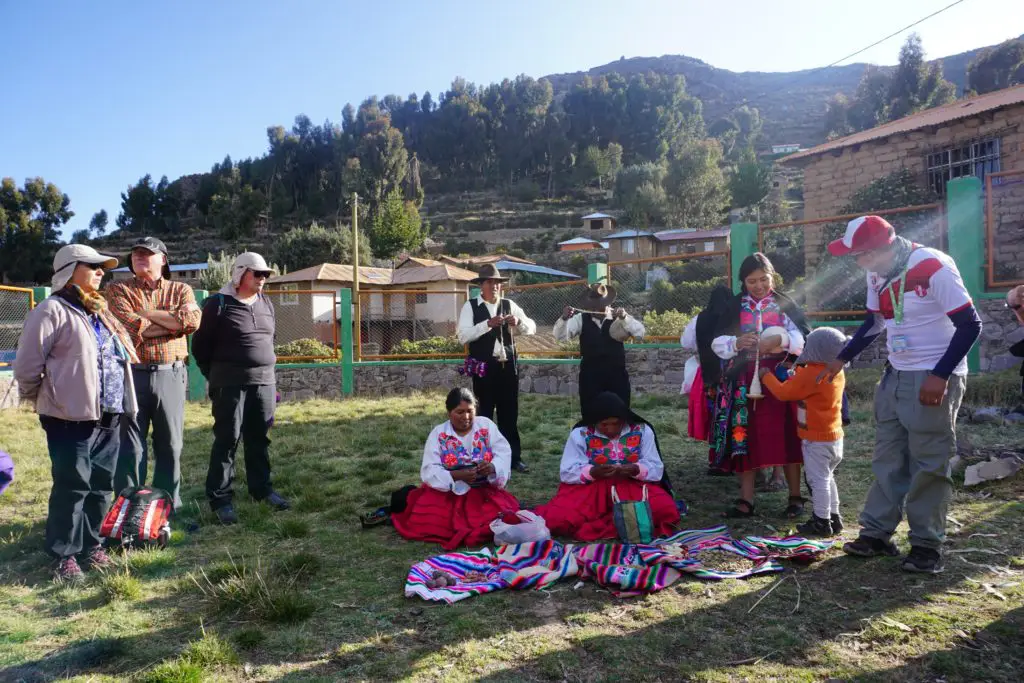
(974, 136)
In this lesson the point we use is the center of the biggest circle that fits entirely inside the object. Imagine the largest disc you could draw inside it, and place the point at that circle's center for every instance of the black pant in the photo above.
(240, 413)
(597, 377)
(499, 388)
(161, 398)
(82, 460)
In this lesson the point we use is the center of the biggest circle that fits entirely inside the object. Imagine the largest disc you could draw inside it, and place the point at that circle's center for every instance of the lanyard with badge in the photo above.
(899, 342)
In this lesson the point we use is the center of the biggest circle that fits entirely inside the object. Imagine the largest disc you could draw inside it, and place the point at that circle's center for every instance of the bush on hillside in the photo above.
(669, 323)
(308, 349)
(429, 345)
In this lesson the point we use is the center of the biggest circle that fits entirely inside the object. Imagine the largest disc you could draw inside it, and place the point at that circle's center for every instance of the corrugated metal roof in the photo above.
(513, 266)
(597, 215)
(622, 234)
(675, 235)
(938, 116)
(368, 275)
(335, 272)
(579, 240)
(175, 267)
(474, 261)
(435, 273)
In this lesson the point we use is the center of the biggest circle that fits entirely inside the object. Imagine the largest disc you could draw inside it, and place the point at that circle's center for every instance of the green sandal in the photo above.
(735, 512)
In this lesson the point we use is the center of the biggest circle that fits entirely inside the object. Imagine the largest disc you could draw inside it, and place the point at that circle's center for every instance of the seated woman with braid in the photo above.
(466, 464)
(611, 447)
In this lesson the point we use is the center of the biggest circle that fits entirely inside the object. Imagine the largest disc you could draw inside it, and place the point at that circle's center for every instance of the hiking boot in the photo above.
(521, 467)
(66, 570)
(815, 527)
(865, 546)
(837, 523)
(923, 561)
(277, 501)
(97, 558)
(226, 515)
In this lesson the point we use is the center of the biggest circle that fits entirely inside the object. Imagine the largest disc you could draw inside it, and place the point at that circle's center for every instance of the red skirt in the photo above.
(584, 511)
(443, 517)
(698, 426)
(771, 429)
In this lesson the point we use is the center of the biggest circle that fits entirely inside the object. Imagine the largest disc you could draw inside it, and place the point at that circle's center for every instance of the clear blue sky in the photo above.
(97, 94)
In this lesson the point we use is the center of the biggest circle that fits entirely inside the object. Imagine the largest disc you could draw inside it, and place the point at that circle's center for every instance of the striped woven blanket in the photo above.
(626, 570)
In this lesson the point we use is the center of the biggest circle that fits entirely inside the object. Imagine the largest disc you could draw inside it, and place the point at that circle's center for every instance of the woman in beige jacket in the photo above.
(73, 364)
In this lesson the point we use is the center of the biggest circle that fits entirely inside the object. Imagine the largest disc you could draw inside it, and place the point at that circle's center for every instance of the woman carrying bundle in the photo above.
(750, 434)
(466, 465)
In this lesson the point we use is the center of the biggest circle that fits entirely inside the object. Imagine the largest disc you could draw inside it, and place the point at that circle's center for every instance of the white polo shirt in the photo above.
(934, 290)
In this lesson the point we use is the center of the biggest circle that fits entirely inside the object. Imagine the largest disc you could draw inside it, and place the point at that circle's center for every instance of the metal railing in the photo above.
(1004, 229)
(307, 325)
(15, 304)
(666, 291)
(409, 324)
(829, 287)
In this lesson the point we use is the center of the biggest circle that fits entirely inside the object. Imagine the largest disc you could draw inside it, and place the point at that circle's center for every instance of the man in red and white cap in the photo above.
(915, 295)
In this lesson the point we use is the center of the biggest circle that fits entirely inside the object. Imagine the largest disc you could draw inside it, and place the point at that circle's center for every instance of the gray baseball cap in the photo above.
(68, 256)
(153, 245)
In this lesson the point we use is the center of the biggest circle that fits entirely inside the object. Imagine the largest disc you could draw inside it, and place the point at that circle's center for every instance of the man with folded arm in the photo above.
(159, 315)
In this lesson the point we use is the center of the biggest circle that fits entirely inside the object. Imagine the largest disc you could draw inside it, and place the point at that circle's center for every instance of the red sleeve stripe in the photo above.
(960, 308)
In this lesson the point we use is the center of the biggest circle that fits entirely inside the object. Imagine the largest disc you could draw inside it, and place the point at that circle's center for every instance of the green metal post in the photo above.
(597, 273)
(196, 381)
(345, 320)
(965, 217)
(40, 293)
(742, 243)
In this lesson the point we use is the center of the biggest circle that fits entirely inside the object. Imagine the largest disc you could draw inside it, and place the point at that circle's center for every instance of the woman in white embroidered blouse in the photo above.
(466, 465)
(611, 447)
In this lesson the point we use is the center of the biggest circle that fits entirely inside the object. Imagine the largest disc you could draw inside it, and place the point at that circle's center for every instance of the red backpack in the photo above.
(139, 518)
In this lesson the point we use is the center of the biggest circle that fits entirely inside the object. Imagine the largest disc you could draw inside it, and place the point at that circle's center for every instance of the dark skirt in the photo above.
(752, 434)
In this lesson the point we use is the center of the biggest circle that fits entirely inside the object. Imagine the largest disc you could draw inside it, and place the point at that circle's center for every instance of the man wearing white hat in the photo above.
(74, 365)
(234, 349)
(916, 296)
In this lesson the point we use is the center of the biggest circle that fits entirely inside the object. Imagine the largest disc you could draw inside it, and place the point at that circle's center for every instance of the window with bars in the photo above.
(977, 158)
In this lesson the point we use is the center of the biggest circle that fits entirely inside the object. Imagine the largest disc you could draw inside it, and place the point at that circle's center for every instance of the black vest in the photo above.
(483, 348)
(597, 345)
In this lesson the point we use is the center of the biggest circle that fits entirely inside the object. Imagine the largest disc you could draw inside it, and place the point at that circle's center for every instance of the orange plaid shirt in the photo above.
(127, 297)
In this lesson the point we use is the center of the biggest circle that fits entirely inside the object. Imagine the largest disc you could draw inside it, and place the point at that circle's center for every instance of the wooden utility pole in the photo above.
(355, 277)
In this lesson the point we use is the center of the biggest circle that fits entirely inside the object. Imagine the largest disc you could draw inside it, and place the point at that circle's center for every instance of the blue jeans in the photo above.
(83, 456)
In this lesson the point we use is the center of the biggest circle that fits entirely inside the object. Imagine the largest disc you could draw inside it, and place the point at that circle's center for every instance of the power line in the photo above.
(877, 42)
(891, 35)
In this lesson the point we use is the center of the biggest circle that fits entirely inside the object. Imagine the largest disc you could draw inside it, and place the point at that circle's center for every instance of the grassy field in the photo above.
(306, 595)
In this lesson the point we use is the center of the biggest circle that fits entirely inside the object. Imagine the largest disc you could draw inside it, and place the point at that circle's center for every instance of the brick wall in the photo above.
(831, 178)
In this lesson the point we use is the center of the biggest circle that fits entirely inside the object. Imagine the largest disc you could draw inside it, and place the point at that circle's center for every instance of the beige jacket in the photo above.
(57, 365)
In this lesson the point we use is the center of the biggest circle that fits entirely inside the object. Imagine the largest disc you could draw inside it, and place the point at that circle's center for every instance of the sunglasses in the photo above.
(261, 274)
(92, 266)
(1014, 307)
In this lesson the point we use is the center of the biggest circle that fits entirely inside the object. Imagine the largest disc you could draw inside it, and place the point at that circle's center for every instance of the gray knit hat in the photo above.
(822, 345)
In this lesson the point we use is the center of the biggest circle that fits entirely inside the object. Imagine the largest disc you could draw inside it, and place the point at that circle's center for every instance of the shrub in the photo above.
(669, 323)
(306, 348)
(429, 345)
(120, 585)
(244, 590)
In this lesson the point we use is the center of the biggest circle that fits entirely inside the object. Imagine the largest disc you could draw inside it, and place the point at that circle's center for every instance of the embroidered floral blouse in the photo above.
(587, 447)
(758, 316)
(445, 451)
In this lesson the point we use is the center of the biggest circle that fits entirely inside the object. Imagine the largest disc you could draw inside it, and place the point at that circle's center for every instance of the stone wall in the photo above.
(1000, 330)
(831, 178)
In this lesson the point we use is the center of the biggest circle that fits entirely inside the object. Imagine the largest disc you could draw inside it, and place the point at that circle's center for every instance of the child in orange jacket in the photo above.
(819, 424)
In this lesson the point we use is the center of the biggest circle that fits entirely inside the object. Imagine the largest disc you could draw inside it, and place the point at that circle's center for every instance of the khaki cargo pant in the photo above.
(913, 447)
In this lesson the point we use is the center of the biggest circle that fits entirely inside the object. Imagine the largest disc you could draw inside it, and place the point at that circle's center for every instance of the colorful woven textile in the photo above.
(457, 565)
(625, 569)
(535, 565)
